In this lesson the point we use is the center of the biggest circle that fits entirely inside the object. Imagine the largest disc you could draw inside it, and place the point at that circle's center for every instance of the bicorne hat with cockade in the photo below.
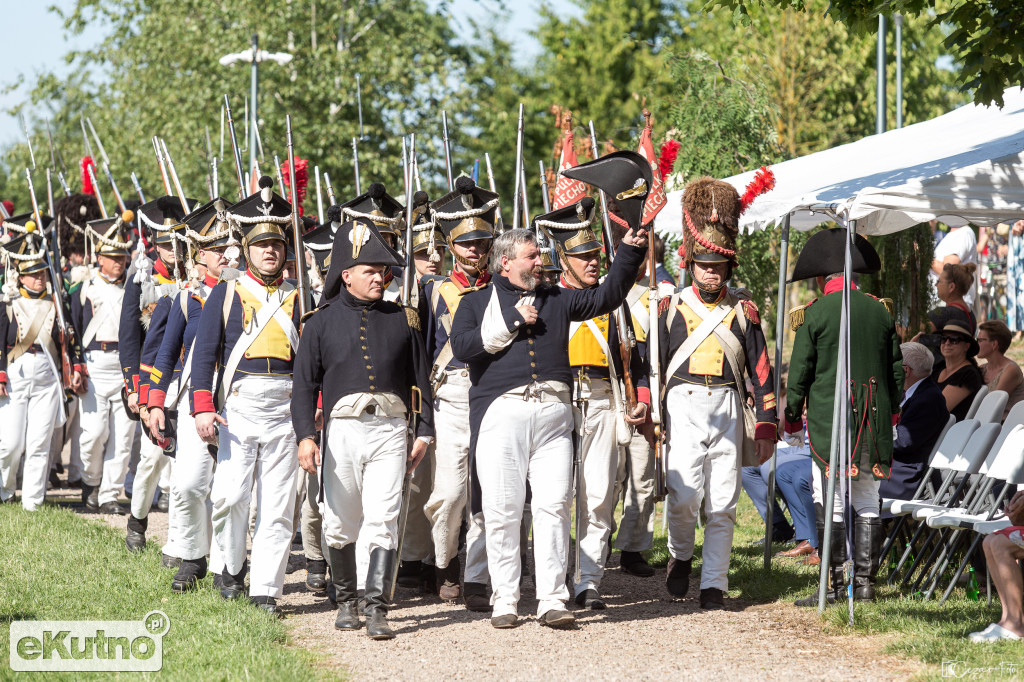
(625, 178)
(824, 254)
(357, 242)
(711, 217)
(377, 206)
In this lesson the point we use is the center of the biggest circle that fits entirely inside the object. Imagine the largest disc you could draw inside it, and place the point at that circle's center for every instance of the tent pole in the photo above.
(847, 454)
(780, 327)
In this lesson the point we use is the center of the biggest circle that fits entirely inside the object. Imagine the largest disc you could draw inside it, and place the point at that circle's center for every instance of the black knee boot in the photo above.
(375, 599)
(867, 543)
(343, 579)
(135, 540)
(233, 586)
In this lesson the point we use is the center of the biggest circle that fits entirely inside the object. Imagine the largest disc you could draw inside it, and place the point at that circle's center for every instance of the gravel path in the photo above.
(642, 635)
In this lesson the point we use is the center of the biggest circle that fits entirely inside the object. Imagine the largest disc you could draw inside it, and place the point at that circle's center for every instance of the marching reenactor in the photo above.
(876, 380)
(502, 332)
(466, 219)
(156, 284)
(241, 390)
(188, 536)
(596, 375)
(107, 430)
(32, 356)
(711, 339)
(370, 399)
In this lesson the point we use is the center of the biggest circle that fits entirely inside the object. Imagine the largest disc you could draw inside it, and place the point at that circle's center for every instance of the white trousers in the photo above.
(27, 416)
(68, 432)
(636, 475)
(704, 437)
(519, 441)
(864, 497)
(600, 453)
(363, 467)
(107, 431)
(257, 451)
(449, 497)
(151, 470)
(190, 530)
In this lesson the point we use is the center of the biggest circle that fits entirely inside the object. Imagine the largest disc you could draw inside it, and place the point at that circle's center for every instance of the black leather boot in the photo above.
(316, 574)
(409, 574)
(677, 582)
(448, 588)
(234, 585)
(836, 557)
(190, 572)
(375, 599)
(867, 543)
(135, 541)
(90, 497)
(343, 580)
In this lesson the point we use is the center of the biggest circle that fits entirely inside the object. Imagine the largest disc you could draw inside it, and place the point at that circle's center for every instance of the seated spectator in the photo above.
(960, 378)
(1003, 549)
(1000, 372)
(922, 419)
(793, 482)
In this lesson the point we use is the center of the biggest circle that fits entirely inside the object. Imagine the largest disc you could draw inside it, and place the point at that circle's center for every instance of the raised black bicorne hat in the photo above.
(112, 236)
(571, 228)
(825, 254)
(357, 242)
(165, 217)
(624, 176)
(208, 225)
(261, 216)
(377, 206)
(466, 214)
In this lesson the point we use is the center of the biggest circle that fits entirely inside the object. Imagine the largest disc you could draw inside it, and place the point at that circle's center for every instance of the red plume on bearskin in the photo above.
(301, 180)
(667, 157)
(764, 181)
(84, 164)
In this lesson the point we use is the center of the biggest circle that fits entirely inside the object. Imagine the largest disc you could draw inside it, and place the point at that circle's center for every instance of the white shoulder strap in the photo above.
(707, 326)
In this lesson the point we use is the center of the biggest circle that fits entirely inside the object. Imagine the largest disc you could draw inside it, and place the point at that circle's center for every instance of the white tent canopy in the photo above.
(966, 166)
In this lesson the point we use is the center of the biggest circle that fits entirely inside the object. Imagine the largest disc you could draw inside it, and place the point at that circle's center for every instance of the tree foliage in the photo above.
(984, 35)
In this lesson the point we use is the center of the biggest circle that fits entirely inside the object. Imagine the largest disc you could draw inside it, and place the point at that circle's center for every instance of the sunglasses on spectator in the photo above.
(953, 339)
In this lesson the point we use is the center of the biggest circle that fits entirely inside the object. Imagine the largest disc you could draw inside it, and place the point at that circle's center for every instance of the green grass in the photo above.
(55, 565)
(915, 629)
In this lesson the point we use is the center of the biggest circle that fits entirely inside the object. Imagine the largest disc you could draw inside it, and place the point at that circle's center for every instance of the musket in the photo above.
(490, 180)
(626, 339)
(113, 187)
(545, 197)
(85, 136)
(359, 105)
(416, 173)
(447, 149)
(330, 190)
(259, 141)
(3, 212)
(277, 168)
(49, 191)
(319, 195)
(221, 155)
(235, 153)
(416, 400)
(162, 165)
(216, 176)
(103, 152)
(65, 332)
(355, 164)
(64, 184)
(28, 140)
(409, 274)
(54, 152)
(174, 178)
(138, 188)
(300, 252)
(519, 165)
(526, 203)
(91, 170)
(654, 375)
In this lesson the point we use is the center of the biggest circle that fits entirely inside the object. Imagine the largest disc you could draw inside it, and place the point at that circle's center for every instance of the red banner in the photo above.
(567, 190)
(656, 199)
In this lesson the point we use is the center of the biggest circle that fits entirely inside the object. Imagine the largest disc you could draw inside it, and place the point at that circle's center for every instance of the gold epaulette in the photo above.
(796, 315)
(889, 305)
(309, 314)
(412, 316)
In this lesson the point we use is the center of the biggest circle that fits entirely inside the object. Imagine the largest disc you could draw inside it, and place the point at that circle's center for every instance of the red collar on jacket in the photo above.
(210, 280)
(832, 286)
(259, 281)
(460, 278)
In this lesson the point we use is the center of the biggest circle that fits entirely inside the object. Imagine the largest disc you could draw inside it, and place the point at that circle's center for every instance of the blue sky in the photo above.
(32, 26)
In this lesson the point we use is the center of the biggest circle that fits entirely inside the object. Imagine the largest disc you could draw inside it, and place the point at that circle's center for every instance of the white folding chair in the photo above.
(991, 407)
(976, 403)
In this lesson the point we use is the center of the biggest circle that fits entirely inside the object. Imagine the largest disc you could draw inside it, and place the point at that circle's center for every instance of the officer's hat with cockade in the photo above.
(824, 254)
(376, 205)
(624, 176)
(357, 242)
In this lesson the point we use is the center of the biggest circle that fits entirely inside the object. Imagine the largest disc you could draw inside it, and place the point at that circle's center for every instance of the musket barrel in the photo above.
(408, 277)
(329, 188)
(447, 150)
(355, 164)
(91, 170)
(519, 166)
(490, 180)
(235, 153)
(174, 177)
(545, 196)
(319, 195)
(300, 251)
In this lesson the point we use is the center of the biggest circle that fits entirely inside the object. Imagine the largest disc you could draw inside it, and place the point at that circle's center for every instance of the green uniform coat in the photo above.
(876, 376)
